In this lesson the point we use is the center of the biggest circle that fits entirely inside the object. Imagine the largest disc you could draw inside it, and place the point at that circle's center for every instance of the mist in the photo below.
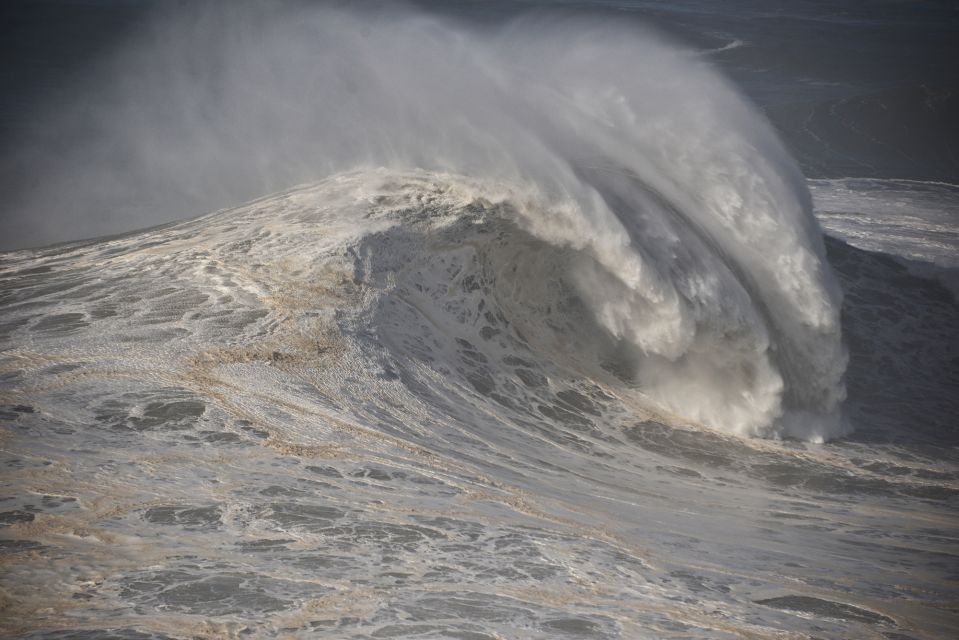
(205, 105)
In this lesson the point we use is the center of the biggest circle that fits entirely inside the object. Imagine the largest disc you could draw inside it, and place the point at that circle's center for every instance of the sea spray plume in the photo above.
(697, 252)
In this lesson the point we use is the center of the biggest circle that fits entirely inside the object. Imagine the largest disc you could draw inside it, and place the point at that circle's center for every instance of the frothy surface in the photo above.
(319, 414)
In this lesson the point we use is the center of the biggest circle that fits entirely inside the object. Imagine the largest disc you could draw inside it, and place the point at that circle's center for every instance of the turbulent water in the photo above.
(572, 362)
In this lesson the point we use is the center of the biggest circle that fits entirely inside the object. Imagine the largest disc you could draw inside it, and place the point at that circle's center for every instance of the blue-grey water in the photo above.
(479, 320)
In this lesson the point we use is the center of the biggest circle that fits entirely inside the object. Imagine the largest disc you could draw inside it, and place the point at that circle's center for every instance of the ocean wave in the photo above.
(694, 337)
(660, 201)
(913, 221)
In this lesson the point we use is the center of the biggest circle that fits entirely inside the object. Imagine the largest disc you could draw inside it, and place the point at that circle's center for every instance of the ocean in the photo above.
(479, 320)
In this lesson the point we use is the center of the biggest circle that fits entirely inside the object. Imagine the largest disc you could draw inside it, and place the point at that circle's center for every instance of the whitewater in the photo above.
(516, 341)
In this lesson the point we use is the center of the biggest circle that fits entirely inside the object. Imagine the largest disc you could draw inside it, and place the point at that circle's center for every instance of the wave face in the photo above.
(664, 206)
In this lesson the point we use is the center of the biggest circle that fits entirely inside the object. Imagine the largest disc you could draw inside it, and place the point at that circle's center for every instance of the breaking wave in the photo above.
(627, 213)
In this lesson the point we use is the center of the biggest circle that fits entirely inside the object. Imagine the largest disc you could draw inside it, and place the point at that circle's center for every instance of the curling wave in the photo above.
(630, 216)
(473, 263)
